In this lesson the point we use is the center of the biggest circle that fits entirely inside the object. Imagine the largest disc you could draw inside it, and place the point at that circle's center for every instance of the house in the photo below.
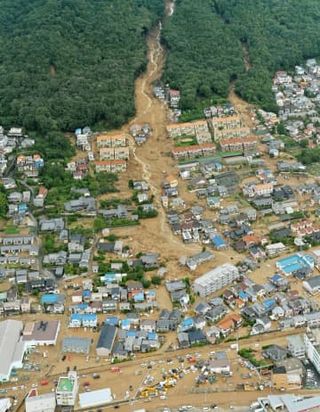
(83, 204)
(196, 337)
(275, 352)
(220, 363)
(148, 325)
(312, 285)
(168, 321)
(134, 288)
(229, 323)
(275, 249)
(78, 320)
(195, 260)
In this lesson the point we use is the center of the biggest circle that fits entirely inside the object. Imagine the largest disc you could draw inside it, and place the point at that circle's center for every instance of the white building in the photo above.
(296, 346)
(5, 404)
(313, 352)
(275, 249)
(45, 402)
(67, 389)
(41, 333)
(95, 398)
(12, 348)
(215, 279)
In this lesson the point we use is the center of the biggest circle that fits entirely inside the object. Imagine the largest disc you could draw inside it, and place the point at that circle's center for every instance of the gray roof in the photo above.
(107, 337)
(11, 348)
(313, 282)
(76, 344)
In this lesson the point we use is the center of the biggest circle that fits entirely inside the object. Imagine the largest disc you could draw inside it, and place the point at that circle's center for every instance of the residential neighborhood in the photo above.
(202, 253)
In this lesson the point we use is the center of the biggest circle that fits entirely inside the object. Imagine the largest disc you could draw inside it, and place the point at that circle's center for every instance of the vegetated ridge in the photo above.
(214, 42)
(66, 64)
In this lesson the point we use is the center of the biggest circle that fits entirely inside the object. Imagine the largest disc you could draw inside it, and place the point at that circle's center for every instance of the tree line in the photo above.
(67, 64)
(208, 41)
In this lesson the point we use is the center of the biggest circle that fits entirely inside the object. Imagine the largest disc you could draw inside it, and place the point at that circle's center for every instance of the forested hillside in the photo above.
(70, 63)
(208, 39)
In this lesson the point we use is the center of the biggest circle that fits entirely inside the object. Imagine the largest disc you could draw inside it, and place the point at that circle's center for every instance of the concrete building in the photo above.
(95, 398)
(290, 403)
(112, 140)
(313, 351)
(112, 166)
(45, 402)
(12, 348)
(67, 389)
(215, 279)
(296, 346)
(5, 404)
(41, 333)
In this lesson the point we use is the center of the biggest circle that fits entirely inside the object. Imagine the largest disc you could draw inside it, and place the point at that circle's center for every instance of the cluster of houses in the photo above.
(298, 97)
(171, 97)
(29, 165)
(140, 133)
(83, 137)
(79, 168)
(12, 139)
(222, 110)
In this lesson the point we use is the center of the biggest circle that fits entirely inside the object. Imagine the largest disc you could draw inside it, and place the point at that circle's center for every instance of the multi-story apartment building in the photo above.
(296, 346)
(198, 129)
(193, 151)
(67, 389)
(112, 140)
(112, 166)
(239, 144)
(215, 279)
(111, 153)
(313, 351)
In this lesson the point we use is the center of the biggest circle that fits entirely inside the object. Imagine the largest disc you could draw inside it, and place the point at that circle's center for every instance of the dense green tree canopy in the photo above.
(69, 63)
(209, 42)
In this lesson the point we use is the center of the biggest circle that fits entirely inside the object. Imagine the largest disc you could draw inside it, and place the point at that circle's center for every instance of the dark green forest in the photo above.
(70, 63)
(207, 41)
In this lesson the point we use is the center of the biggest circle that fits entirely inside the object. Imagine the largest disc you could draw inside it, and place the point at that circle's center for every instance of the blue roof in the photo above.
(268, 303)
(86, 293)
(78, 131)
(22, 207)
(218, 241)
(131, 333)
(152, 336)
(112, 320)
(126, 322)
(243, 294)
(83, 316)
(49, 299)
(82, 306)
(139, 297)
(187, 322)
(276, 277)
(109, 277)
